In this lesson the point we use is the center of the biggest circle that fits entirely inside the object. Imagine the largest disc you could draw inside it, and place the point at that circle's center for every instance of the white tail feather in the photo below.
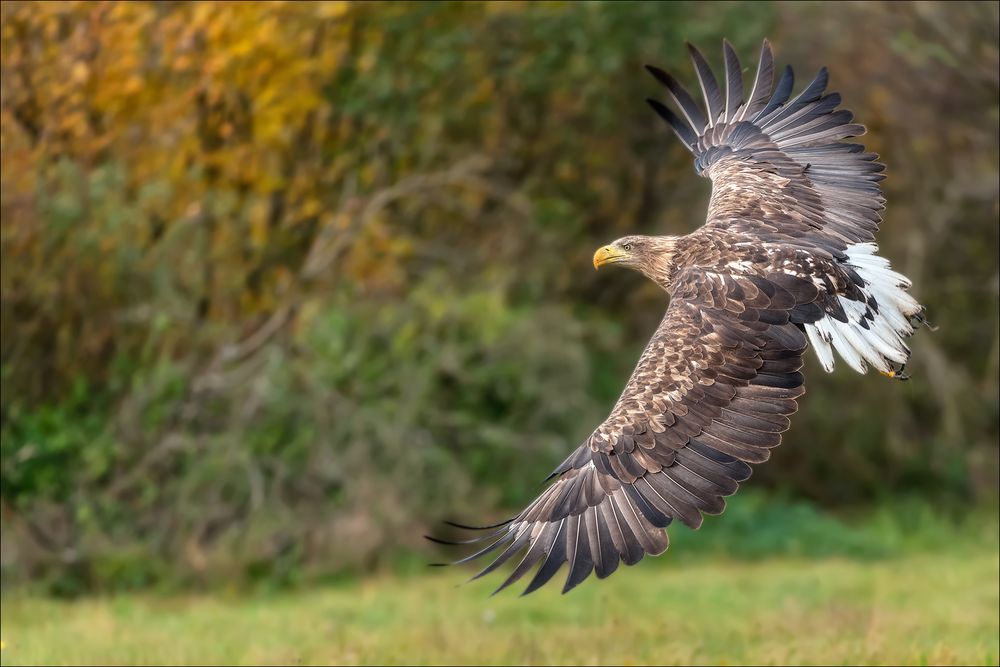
(821, 346)
(880, 343)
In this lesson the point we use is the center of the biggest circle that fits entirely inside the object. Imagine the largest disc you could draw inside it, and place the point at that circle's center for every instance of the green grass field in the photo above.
(928, 608)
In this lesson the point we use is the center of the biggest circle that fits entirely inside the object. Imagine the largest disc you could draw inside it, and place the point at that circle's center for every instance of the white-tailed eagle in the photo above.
(786, 257)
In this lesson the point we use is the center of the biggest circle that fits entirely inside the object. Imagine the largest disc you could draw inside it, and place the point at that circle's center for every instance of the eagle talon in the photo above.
(897, 373)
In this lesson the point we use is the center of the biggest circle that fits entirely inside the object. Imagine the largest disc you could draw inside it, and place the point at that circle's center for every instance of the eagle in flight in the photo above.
(786, 257)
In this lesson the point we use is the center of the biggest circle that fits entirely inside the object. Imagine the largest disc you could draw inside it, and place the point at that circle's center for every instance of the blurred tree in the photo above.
(280, 279)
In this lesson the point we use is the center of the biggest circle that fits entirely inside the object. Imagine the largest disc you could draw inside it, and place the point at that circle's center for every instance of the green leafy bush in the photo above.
(282, 283)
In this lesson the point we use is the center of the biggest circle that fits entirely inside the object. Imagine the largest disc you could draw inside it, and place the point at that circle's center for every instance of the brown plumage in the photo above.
(785, 258)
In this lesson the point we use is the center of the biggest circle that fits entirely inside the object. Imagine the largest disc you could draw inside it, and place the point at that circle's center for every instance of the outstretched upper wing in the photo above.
(778, 168)
(711, 393)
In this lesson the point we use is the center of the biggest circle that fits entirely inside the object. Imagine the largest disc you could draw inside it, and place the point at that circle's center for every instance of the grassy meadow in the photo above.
(923, 600)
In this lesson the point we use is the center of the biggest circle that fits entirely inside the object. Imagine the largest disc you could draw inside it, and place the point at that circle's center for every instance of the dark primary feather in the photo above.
(760, 93)
(680, 128)
(734, 81)
(781, 92)
(692, 114)
(709, 86)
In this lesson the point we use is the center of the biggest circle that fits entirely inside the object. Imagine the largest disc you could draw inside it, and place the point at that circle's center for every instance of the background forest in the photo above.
(285, 283)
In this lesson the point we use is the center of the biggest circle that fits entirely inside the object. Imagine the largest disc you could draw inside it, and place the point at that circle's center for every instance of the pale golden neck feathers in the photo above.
(659, 265)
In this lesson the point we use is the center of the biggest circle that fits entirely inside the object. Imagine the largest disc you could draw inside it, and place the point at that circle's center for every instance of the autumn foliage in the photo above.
(282, 282)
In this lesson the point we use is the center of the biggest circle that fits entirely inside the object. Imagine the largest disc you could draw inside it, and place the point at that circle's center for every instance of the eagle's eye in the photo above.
(627, 247)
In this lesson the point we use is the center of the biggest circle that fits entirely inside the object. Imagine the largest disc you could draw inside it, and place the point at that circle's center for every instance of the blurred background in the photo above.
(284, 284)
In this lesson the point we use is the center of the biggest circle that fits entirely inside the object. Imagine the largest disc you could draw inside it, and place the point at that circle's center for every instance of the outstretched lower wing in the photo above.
(711, 394)
(779, 170)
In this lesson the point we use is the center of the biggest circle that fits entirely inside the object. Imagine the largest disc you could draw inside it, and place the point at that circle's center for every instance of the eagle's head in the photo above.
(650, 255)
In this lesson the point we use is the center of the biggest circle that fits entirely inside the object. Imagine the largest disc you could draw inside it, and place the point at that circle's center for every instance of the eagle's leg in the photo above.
(897, 372)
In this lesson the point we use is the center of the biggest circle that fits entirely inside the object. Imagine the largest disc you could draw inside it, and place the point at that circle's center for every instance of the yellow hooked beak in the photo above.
(608, 255)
